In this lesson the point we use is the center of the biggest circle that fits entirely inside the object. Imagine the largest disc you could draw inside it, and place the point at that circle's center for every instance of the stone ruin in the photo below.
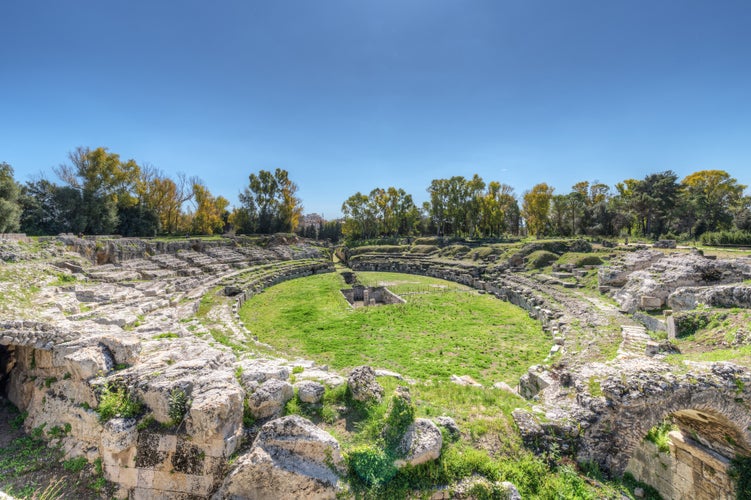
(124, 321)
(600, 413)
(366, 296)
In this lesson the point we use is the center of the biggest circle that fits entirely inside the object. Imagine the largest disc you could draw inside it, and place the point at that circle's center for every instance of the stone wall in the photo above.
(687, 471)
(466, 274)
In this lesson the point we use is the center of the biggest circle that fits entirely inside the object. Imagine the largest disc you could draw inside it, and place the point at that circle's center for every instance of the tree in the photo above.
(101, 179)
(269, 203)
(211, 214)
(51, 209)
(536, 207)
(358, 219)
(164, 196)
(711, 196)
(10, 210)
(383, 212)
(652, 202)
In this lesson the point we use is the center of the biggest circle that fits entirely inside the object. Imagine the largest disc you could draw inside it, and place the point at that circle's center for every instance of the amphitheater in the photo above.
(156, 323)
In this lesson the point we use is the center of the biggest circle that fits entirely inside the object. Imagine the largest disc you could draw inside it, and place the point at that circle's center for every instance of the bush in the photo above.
(659, 435)
(372, 465)
(391, 249)
(401, 415)
(740, 238)
(424, 249)
(690, 322)
(540, 259)
(178, 406)
(740, 472)
(116, 402)
(75, 464)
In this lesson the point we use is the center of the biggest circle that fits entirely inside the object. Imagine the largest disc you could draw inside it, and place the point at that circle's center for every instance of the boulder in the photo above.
(464, 380)
(269, 399)
(421, 443)
(310, 392)
(261, 370)
(536, 379)
(290, 458)
(363, 386)
(449, 424)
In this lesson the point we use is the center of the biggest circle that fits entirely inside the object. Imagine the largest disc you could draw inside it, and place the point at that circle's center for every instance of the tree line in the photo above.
(100, 193)
(656, 206)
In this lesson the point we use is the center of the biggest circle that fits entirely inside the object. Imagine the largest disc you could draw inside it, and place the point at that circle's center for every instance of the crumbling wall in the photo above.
(687, 471)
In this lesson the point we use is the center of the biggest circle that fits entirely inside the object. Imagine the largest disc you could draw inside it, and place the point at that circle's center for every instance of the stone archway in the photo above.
(718, 417)
(709, 406)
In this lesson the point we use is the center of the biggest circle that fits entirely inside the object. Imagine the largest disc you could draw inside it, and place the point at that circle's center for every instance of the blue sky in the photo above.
(349, 95)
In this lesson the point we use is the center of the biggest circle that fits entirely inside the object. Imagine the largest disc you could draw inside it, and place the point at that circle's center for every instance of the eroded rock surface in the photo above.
(363, 385)
(644, 280)
(290, 458)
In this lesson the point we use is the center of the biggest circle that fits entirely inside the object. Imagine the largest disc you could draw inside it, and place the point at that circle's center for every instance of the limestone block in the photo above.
(215, 416)
(290, 458)
(421, 443)
(650, 303)
(464, 380)
(323, 376)
(269, 399)
(89, 362)
(310, 392)
(449, 424)
(363, 386)
(261, 370)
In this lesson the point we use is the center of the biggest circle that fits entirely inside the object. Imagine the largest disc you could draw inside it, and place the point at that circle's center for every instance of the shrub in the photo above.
(659, 435)
(424, 249)
(741, 238)
(75, 464)
(178, 406)
(740, 472)
(372, 465)
(588, 260)
(117, 402)
(400, 416)
(690, 322)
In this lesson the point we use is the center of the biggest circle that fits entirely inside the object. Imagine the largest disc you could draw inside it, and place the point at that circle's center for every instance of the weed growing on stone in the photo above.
(117, 402)
(659, 435)
(178, 406)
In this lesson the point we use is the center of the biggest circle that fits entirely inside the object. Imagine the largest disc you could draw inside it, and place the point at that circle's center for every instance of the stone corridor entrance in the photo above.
(365, 296)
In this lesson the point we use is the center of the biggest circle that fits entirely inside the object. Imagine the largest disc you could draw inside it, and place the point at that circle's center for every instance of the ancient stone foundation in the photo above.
(687, 471)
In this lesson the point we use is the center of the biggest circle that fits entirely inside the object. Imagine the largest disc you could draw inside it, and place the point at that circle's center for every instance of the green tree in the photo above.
(536, 207)
(652, 203)
(51, 209)
(269, 203)
(102, 181)
(711, 197)
(10, 210)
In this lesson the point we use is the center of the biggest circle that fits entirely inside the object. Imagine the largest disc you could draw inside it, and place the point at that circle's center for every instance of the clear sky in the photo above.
(349, 95)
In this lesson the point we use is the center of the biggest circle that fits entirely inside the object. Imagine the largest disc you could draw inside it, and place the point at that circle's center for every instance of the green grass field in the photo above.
(443, 329)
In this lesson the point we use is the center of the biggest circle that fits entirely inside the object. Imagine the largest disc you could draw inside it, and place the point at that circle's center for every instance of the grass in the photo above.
(443, 329)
